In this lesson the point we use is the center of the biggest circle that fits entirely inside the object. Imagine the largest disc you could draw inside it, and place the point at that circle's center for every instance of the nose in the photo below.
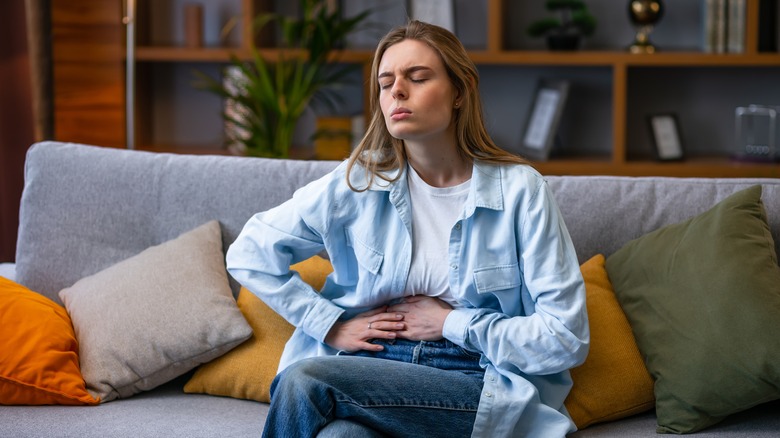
(398, 90)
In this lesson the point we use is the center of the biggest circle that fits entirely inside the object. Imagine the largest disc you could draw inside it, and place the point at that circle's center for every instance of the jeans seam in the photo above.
(405, 405)
(416, 352)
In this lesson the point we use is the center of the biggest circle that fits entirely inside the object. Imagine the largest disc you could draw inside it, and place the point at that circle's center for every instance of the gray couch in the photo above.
(85, 208)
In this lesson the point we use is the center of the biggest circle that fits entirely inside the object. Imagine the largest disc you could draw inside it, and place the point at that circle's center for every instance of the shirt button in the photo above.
(457, 226)
(492, 379)
(454, 266)
(488, 394)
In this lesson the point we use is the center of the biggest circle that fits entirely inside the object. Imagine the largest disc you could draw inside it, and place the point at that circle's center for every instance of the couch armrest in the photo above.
(8, 270)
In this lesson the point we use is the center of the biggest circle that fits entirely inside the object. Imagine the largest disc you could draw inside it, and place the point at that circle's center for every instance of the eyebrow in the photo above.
(406, 71)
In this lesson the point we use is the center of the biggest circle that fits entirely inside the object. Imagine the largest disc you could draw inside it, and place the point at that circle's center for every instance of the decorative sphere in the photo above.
(645, 12)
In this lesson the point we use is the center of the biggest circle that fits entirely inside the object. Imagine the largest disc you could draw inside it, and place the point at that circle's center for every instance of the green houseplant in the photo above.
(564, 32)
(268, 96)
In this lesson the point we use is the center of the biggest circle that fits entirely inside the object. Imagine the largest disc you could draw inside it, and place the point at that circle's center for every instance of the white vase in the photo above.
(234, 80)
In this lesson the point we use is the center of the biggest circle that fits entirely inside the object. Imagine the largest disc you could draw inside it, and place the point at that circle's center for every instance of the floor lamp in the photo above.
(129, 21)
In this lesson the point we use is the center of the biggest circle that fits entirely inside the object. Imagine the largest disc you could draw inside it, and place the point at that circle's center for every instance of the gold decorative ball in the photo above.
(645, 12)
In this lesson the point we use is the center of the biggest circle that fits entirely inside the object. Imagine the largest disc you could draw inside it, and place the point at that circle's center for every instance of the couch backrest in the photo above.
(602, 213)
(85, 208)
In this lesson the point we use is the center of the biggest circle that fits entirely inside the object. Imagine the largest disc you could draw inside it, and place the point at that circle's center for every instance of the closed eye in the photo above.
(412, 74)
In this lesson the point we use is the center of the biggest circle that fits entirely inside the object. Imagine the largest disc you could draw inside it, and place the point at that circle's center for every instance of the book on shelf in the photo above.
(735, 35)
(768, 19)
(724, 26)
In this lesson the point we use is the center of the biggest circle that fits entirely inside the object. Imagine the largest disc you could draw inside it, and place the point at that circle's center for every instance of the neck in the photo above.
(439, 165)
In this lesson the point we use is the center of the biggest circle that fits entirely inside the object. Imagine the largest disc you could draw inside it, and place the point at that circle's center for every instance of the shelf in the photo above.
(613, 58)
(516, 57)
(183, 54)
(295, 153)
(700, 167)
(696, 167)
(705, 168)
(697, 59)
(224, 54)
(612, 91)
(220, 54)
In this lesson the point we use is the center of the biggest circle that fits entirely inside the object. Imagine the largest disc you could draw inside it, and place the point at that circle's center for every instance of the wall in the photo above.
(16, 120)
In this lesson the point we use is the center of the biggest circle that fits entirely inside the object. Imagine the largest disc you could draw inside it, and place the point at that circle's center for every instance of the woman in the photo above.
(456, 305)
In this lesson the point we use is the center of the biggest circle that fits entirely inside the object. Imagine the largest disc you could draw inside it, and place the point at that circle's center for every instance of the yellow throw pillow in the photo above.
(247, 371)
(613, 382)
(39, 362)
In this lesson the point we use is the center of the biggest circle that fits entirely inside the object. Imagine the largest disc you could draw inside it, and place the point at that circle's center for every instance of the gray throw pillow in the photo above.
(156, 315)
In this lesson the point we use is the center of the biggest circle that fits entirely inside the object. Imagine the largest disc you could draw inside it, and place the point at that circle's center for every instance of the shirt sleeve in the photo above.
(552, 335)
(260, 260)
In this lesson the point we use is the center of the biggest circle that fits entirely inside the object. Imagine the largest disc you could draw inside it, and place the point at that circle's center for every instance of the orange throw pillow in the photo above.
(613, 382)
(39, 362)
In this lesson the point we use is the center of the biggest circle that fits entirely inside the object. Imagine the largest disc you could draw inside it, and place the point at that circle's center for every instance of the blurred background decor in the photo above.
(565, 31)
(644, 15)
(266, 97)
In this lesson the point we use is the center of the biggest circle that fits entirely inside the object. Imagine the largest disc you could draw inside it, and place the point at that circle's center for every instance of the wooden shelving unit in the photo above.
(622, 159)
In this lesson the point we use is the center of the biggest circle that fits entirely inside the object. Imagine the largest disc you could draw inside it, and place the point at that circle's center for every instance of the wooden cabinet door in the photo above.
(88, 71)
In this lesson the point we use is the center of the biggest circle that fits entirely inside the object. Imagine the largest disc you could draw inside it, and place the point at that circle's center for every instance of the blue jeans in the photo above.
(410, 388)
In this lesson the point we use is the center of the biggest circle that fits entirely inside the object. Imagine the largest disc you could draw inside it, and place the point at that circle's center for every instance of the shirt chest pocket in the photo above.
(497, 278)
(368, 262)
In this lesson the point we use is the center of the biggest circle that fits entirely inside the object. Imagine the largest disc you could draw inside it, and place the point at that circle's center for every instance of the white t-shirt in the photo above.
(435, 210)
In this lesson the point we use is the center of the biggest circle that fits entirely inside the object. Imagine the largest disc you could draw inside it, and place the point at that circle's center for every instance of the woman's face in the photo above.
(416, 95)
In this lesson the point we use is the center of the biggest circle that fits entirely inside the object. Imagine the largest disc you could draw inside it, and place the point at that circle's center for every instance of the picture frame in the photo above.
(666, 136)
(543, 118)
(438, 12)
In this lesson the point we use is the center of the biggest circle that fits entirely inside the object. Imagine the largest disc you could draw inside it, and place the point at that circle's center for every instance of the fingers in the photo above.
(370, 347)
(372, 312)
(379, 320)
(384, 329)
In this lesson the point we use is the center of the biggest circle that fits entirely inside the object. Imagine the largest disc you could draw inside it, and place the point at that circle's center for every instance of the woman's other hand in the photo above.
(423, 317)
(353, 335)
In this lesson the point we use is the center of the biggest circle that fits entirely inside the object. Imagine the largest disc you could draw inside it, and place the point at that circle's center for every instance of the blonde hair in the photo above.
(379, 152)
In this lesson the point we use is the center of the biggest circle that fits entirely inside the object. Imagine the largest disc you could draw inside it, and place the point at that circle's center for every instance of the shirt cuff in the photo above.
(456, 325)
(321, 318)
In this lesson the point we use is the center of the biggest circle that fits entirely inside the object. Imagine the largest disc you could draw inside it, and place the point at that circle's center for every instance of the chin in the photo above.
(399, 134)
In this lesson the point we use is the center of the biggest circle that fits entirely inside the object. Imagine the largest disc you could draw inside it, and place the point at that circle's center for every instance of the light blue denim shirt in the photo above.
(512, 265)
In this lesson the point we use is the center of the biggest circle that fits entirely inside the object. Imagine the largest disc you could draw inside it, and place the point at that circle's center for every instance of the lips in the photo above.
(400, 113)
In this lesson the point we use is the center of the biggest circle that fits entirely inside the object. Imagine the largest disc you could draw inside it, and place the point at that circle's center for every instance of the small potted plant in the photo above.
(266, 97)
(564, 32)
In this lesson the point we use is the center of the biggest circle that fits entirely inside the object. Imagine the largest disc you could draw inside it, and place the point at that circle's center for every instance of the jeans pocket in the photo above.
(469, 353)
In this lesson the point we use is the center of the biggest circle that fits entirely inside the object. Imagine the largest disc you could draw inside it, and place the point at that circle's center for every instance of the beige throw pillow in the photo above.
(156, 315)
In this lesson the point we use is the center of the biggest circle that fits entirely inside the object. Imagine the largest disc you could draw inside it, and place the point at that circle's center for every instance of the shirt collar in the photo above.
(486, 188)
(486, 185)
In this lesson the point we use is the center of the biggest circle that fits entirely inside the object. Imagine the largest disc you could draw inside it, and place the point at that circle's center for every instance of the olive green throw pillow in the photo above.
(703, 300)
